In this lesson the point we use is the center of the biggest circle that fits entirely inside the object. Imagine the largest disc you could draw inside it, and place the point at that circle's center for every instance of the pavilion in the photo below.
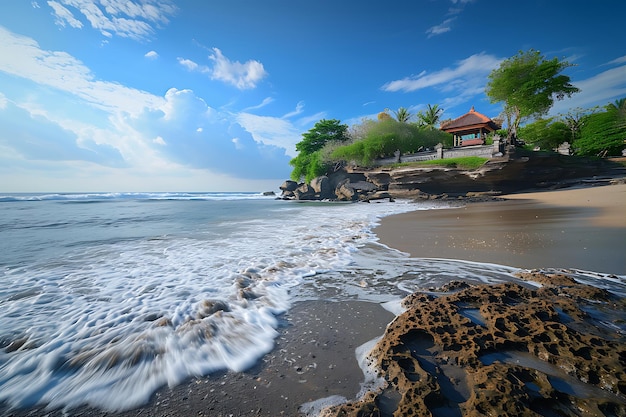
(470, 129)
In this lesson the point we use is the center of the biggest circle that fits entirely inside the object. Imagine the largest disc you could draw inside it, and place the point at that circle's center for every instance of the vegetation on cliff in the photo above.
(527, 84)
(592, 132)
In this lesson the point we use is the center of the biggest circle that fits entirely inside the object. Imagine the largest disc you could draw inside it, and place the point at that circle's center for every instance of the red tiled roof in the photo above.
(472, 118)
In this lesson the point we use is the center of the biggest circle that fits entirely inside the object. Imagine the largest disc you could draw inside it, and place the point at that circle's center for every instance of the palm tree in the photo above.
(429, 118)
(403, 115)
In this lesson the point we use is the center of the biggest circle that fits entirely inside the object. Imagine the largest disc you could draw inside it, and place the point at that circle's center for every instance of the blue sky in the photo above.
(190, 95)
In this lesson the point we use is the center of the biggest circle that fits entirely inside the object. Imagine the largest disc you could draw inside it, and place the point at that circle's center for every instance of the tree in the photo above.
(403, 115)
(322, 132)
(545, 133)
(528, 84)
(309, 164)
(603, 133)
(430, 117)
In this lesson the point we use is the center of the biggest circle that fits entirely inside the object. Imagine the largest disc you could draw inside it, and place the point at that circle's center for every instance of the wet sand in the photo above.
(314, 358)
(573, 228)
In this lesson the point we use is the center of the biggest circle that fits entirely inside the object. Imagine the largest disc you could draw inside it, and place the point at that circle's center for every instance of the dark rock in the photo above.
(288, 186)
(344, 192)
(321, 185)
(304, 192)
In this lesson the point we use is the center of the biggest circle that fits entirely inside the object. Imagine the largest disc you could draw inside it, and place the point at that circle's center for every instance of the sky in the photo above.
(191, 95)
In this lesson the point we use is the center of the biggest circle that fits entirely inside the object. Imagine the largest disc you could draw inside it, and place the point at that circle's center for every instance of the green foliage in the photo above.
(546, 133)
(308, 166)
(309, 162)
(382, 139)
(323, 131)
(528, 84)
(403, 115)
(603, 133)
(466, 162)
(430, 117)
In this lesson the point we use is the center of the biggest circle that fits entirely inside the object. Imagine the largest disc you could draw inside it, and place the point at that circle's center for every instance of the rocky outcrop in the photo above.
(515, 172)
(502, 350)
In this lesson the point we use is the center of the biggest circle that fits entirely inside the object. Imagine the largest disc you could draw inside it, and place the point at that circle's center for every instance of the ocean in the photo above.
(104, 298)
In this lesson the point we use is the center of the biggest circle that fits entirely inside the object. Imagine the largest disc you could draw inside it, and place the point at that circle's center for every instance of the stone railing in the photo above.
(485, 151)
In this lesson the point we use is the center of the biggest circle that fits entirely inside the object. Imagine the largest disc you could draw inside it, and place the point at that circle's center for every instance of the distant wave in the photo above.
(97, 197)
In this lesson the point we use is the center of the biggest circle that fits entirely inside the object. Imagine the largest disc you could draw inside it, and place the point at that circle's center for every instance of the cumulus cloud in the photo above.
(243, 76)
(271, 131)
(81, 118)
(124, 18)
(151, 55)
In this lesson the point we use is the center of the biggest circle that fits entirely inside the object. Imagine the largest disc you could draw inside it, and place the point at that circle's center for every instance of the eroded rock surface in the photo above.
(502, 350)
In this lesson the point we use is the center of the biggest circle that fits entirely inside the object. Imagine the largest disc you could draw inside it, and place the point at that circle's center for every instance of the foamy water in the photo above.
(106, 297)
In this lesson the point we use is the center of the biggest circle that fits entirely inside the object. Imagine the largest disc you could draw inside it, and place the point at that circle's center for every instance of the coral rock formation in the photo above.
(546, 345)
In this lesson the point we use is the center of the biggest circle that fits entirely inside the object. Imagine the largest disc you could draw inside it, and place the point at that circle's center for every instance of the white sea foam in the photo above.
(101, 304)
(102, 317)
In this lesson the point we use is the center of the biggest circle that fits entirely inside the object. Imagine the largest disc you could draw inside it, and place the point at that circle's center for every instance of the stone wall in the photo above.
(485, 151)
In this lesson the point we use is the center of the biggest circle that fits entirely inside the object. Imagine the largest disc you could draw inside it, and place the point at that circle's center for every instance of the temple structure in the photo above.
(470, 129)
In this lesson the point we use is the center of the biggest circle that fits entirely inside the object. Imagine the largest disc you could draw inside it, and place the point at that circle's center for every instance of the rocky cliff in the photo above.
(518, 171)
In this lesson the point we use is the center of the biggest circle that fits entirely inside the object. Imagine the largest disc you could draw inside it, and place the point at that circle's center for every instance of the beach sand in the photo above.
(572, 228)
(314, 356)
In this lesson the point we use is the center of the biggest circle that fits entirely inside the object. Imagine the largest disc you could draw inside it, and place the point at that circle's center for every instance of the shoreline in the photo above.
(313, 358)
(581, 228)
(314, 354)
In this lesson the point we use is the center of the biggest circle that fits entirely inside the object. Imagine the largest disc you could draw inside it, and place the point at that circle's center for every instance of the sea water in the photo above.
(104, 298)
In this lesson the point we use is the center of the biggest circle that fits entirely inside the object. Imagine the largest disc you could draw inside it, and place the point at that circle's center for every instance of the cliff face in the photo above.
(516, 172)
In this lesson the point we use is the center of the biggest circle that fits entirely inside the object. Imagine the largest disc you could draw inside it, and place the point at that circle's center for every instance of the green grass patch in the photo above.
(467, 162)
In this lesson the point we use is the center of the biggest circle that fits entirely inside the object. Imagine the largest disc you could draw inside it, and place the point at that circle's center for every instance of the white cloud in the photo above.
(265, 102)
(188, 63)
(598, 90)
(80, 120)
(238, 144)
(151, 55)
(445, 26)
(620, 60)
(466, 72)
(243, 76)
(299, 109)
(125, 18)
(63, 16)
(304, 121)
(271, 131)
(66, 73)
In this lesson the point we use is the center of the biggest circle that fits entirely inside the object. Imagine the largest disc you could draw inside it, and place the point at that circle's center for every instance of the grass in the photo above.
(467, 162)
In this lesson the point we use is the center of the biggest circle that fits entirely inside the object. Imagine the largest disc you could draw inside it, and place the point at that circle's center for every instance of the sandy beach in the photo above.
(583, 228)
